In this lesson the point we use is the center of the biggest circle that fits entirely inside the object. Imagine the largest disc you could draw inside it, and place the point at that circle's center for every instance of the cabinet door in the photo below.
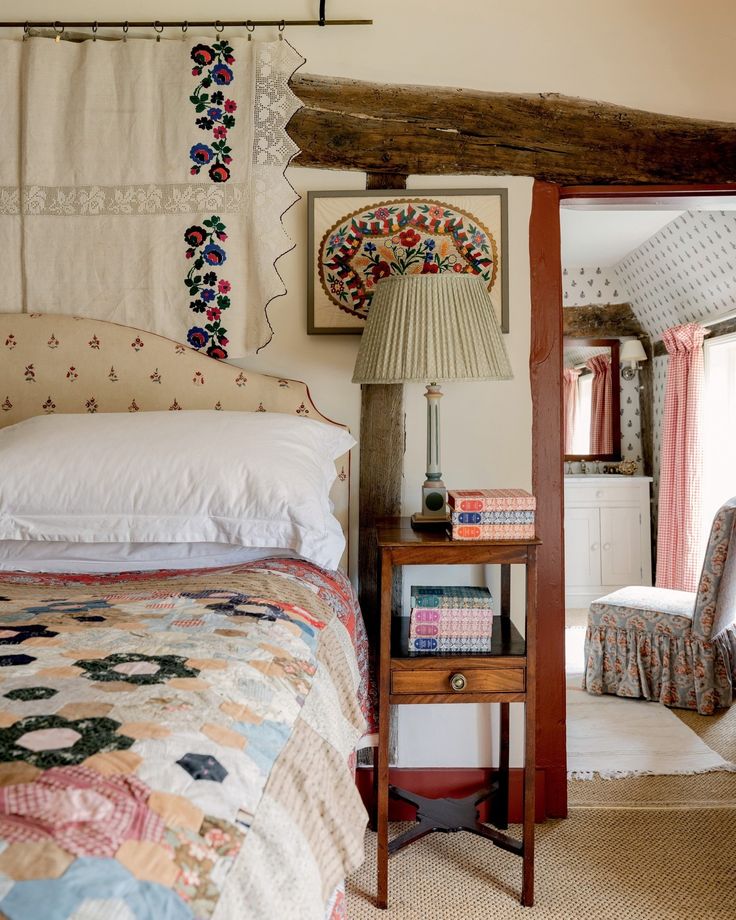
(582, 547)
(621, 562)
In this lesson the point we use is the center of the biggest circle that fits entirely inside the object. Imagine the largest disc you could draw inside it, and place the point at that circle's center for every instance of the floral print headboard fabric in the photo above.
(67, 364)
(147, 179)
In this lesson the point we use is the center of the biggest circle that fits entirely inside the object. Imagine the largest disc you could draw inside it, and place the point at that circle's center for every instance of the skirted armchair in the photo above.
(672, 646)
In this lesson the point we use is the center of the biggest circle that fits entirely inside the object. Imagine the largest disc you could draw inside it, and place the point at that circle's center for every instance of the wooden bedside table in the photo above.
(504, 675)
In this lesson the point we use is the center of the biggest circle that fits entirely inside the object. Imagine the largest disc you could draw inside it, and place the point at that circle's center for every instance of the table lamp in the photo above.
(428, 329)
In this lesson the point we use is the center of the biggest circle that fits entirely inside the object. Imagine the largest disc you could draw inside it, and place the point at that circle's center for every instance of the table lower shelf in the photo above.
(451, 816)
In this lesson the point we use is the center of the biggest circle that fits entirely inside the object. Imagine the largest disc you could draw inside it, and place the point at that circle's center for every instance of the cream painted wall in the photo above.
(664, 55)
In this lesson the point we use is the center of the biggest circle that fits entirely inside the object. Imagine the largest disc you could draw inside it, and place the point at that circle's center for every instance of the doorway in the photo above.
(547, 448)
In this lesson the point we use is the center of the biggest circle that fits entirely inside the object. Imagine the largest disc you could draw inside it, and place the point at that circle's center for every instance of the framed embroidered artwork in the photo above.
(357, 238)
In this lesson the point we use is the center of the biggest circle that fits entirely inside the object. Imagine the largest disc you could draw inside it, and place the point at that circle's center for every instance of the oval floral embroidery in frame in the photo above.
(213, 65)
(208, 290)
(401, 237)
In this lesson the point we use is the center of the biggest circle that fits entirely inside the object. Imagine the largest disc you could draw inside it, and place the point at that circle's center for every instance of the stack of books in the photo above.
(492, 514)
(450, 619)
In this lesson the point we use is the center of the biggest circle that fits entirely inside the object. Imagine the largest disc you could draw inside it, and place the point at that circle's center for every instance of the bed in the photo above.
(176, 742)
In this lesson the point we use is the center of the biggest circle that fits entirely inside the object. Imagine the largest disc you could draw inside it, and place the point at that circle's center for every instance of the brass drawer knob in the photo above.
(458, 682)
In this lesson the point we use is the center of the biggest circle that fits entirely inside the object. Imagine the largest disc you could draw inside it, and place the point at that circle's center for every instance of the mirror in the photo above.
(591, 396)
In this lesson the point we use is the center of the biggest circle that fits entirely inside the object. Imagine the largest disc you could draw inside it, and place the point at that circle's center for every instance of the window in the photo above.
(719, 434)
(581, 434)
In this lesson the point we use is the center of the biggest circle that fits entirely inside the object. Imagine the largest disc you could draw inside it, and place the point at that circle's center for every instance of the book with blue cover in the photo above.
(455, 596)
(492, 517)
(450, 644)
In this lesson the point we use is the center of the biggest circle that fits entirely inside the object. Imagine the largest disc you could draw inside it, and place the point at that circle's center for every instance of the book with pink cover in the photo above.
(446, 630)
(493, 532)
(451, 614)
(491, 500)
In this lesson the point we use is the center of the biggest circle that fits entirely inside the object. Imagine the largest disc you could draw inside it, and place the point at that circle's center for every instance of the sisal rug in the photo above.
(605, 865)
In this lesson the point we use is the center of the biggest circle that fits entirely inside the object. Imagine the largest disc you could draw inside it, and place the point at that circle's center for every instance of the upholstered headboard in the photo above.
(51, 363)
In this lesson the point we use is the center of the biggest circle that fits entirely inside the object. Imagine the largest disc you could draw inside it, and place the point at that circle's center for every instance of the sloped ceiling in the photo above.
(685, 273)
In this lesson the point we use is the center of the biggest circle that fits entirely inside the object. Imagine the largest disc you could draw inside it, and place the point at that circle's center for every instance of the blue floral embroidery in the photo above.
(216, 113)
(208, 292)
(201, 154)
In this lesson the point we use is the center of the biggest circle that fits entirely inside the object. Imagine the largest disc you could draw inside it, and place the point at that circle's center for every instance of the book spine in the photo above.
(452, 614)
(492, 517)
(450, 644)
(514, 503)
(493, 532)
(451, 601)
(460, 630)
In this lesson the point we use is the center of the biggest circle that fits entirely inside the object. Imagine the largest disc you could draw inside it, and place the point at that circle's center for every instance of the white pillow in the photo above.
(253, 479)
(97, 558)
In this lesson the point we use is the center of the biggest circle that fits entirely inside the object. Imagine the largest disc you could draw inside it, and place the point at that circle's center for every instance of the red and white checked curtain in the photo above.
(570, 398)
(678, 531)
(601, 437)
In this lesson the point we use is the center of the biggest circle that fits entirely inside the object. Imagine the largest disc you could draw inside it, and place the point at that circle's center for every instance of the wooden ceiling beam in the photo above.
(389, 128)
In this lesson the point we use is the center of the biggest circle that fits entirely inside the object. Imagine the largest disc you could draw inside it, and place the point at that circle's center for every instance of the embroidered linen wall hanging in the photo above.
(143, 182)
(357, 238)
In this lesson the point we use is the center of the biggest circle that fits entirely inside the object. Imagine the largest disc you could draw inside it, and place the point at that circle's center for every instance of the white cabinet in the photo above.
(607, 536)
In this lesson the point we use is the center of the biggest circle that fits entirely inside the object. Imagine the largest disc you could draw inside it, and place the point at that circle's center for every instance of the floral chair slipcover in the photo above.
(672, 646)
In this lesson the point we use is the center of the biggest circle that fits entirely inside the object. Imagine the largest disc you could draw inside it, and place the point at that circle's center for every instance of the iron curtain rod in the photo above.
(180, 24)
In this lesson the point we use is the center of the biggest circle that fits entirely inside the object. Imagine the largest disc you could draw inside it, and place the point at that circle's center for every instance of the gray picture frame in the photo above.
(314, 236)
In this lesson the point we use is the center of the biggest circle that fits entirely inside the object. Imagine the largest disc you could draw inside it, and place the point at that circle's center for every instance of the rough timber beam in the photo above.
(349, 124)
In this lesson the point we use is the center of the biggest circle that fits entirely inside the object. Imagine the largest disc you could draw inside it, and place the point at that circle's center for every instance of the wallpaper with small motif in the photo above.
(631, 422)
(583, 285)
(684, 273)
(659, 382)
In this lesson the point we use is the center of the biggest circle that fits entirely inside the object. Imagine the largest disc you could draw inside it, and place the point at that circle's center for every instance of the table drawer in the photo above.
(457, 680)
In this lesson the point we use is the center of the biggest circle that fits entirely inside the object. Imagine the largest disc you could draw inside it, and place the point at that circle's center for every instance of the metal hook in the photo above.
(158, 29)
(282, 26)
(219, 27)
(26, 30)
(94, 31)
(59, 31)
(251, 28)
(125, 30)
(184, 27)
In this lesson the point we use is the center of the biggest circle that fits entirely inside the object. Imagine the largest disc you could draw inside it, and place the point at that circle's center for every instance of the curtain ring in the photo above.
(26, 30)
(158, 29)
(94, 31)
(219, 27)
(59, 31)
(125, 30)
(184, 27)
(282, 26)
(250, 28)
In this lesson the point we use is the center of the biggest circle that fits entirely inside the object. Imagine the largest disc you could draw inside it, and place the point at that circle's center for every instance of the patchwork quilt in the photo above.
(179, 745)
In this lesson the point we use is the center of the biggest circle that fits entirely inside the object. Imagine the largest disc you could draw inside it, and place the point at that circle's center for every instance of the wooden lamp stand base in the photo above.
(433, 515)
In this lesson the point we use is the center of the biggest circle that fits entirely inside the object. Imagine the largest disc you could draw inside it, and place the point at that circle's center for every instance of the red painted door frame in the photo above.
(545, 369)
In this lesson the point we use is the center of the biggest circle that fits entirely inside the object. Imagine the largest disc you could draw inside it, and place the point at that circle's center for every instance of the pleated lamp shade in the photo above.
(425, 328)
